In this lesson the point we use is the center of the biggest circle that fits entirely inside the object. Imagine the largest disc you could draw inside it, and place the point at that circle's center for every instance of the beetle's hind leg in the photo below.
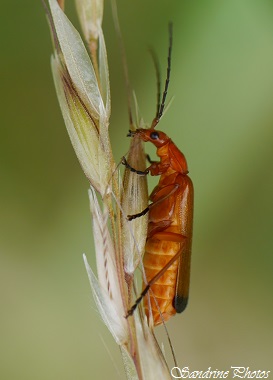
(156, 277)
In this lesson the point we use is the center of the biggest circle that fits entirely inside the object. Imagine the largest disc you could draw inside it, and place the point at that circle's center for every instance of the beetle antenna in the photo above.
(162, 104)
(158, 81)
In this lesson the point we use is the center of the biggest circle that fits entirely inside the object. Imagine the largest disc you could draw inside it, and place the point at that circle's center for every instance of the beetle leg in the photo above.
(151, 282)
(139, 172)
(174, 188)
(151, 161)
(143, 212)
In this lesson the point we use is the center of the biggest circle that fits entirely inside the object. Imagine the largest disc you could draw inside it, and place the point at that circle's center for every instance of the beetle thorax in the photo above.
(171, 157)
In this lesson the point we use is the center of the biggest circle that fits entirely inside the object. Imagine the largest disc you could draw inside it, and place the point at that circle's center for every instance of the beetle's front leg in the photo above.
(157, 168)
(139, 172)
(150, 160)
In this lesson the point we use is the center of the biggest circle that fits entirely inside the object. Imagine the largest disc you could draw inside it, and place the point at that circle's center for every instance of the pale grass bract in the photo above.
(82, 83)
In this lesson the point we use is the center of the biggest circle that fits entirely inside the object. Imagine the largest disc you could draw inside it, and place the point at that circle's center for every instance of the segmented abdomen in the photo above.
(157, 254)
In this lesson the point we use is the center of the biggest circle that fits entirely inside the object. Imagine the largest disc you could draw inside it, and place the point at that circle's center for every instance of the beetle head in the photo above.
(158, 138)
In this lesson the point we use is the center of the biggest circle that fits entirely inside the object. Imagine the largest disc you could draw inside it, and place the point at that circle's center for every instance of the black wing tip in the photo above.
(180, 303)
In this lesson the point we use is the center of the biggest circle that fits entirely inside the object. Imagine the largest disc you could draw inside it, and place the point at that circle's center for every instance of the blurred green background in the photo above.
(221, 118)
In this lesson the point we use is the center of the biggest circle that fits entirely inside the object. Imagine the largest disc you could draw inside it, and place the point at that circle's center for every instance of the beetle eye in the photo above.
(154, 135)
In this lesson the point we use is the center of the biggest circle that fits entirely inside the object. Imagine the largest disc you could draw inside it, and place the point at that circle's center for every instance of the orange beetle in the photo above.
(168, 246)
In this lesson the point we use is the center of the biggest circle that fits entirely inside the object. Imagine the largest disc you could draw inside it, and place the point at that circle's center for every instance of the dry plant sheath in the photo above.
(82, 83)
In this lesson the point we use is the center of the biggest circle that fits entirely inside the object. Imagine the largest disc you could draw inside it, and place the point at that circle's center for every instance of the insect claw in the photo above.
(130, 312)
(131, 133)
(131, 217)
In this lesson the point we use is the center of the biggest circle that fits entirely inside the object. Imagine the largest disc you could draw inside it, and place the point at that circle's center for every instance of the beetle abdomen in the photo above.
(157, 255)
